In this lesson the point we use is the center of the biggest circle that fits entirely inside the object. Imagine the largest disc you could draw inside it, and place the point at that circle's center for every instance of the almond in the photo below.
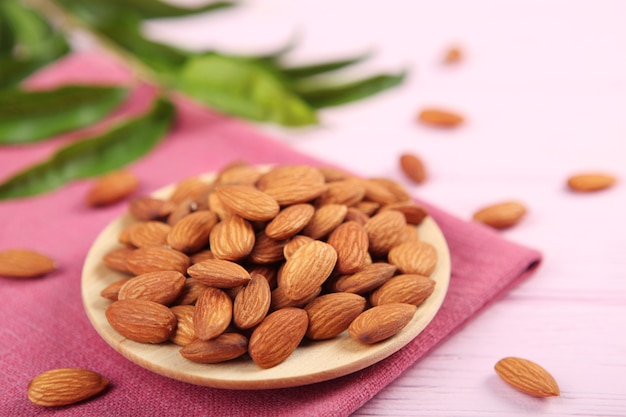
(277, 336)
(414, 258)
(377, 191)
(404, 288)
(413, 213)
(590, 181)
(248, 202)
(111, 291)
(184, 332)
(293, 184)
(351, 244)
(65, 386)
(189, 188)
(142, 321)
(325, 219)
(370, 277)
(150, 233)
(191, 291)
(232, 239)
(117, 258)
(213, 313)
(238, 173)
(201, 255)
(385, 230)
(294, 244)
(356, 215)
(267, 250)
(219, 273)
(527, 377)
(156, 258)
(25, 263)
(289, 221)
(162, 287)
(501, 215)
(184, 208)
(394, 187)
(347, 192)
(111, 188)
(150, 208)
(307, 269)
(280, 299)
(381, 322)
(191, 233)
(252, 303)
(453, 55)
(331, 314)
(440, 117)
(225, 347)
(332, 174)
(413, 167)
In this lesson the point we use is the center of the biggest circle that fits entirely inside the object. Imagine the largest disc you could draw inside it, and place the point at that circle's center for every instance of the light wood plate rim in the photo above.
(310, 363)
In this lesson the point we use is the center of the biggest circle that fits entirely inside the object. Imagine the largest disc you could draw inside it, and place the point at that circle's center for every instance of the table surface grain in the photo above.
(542, 85)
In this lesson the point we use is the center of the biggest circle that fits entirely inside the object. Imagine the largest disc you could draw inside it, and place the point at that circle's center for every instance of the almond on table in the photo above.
(111, 188)
(501, 215)
(25, 263)
(527, 377)
(65, 386)
(590, 181)
(440, 117)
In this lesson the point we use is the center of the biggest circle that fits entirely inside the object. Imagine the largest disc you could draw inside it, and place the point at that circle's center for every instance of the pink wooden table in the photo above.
(543, 87)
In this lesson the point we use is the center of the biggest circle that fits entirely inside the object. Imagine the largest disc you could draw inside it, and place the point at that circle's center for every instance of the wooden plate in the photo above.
(311, 362)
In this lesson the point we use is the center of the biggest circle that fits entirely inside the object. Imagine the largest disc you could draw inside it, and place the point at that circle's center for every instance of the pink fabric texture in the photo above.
(44, 325)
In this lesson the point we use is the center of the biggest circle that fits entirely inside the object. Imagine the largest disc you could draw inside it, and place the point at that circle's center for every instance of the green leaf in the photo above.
(27, 27)
(94, 156)
(145, 9)
(323, 67)
(30, 116)
(245, 88)
(125, 31)
(326, 96)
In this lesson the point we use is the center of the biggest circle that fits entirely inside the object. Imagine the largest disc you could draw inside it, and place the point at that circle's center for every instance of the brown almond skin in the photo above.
(307, 269)
(223, 348)
(111, 188)
(368, 278)
(184, 333)
(150, 208)
(404, 288)
(413, 167)
(162, 287)
(142, 321)
(252, 303)
(384, 231)
(65, 386)
(277, 336)
(232, 239)
(501, 215)
(414, 257)
(111, 291)
(213, 313)
(289, 221)
(413, 213)
(381, 322)
(440, 117)
(25, 263)
(590, 182)
(347, 192)
(156, 258)
(325, 219)
(188, 188)
(191, 232)
(149, 233)
(351, 243)
(267, 250)
(331, 314)
(117, 258)
(527, 377)
(294, 244)
(219, 273)
(293, 184)
(248, 202)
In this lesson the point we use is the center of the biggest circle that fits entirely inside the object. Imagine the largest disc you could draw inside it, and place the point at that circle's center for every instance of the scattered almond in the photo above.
(381, 322)
(25, 263)
(440, 117)
(111, 188)
(501, 215)
(413, 167)
(453, 55)
(591, 181)
(65, 386)
(527, 377)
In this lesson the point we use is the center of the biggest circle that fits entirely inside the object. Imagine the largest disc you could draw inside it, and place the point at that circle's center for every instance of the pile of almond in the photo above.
(255, 261)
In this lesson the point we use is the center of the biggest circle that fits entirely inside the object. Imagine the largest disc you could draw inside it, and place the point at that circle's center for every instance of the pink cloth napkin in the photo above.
(44, 325)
